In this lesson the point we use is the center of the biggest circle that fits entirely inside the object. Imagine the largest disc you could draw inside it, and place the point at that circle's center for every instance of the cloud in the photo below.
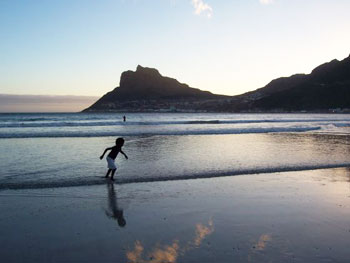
(266, 2)
(201, 7)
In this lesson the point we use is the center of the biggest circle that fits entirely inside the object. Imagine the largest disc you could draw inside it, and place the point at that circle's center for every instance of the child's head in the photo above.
(119, 142)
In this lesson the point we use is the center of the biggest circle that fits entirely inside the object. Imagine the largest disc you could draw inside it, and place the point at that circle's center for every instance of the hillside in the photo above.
(326, 87)
(146, 89)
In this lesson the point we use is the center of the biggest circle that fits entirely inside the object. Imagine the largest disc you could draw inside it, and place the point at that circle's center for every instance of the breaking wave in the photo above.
(42, 123)
(102, 133)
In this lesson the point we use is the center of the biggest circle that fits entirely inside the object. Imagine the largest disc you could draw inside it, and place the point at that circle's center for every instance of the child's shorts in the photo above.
(111, 163)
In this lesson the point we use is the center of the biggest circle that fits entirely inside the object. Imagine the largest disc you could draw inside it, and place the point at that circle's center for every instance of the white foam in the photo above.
(134, 132)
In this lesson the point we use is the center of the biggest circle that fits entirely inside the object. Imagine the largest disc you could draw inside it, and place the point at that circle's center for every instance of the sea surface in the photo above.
(48, 150)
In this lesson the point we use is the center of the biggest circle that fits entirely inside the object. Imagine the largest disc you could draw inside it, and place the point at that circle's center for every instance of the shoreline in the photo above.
(125, 181)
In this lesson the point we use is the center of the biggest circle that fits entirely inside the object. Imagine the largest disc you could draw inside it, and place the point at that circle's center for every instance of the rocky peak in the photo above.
(148, 71)
(141, 75)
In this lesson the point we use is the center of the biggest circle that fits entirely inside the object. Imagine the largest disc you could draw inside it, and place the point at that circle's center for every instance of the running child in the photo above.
(112, 155)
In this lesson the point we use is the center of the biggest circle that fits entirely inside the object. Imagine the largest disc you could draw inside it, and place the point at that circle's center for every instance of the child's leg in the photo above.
(108, 172)
(113, 172)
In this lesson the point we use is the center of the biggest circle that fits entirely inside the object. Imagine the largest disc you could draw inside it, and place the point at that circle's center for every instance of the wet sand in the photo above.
(299, 216)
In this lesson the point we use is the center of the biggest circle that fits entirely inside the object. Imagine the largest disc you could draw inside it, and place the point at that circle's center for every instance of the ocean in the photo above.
(49, 150)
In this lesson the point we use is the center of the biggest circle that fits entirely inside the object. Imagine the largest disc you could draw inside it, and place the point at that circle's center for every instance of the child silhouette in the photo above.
(112, 155)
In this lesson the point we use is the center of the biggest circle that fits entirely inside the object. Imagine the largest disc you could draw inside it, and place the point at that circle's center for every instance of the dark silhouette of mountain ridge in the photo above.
(327, 87)
(146, 87)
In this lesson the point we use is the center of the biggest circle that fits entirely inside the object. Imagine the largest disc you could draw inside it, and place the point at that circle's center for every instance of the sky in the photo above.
(81, 47)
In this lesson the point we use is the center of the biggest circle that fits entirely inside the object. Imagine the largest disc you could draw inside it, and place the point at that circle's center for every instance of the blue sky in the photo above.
(80, 47)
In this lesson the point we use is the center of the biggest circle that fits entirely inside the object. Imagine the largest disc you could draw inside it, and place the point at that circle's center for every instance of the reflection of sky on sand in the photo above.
(279, 216)
(169, 253)
(262, 242)
(158, 255)
(335, 183)
(203, 231)
(258, 247)
(340, 175)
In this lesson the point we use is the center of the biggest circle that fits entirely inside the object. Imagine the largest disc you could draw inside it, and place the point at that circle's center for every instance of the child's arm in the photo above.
(124, 154)
(107, 149)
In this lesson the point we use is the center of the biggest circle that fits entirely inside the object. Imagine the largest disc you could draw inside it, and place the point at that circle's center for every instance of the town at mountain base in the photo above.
(325, 89)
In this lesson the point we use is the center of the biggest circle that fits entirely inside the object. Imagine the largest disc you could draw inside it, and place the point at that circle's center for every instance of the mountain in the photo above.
(326, 87)
(146, 89)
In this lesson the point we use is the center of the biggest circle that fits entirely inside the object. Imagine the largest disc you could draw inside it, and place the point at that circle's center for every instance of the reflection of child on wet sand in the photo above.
(114, 212)
(112, 155)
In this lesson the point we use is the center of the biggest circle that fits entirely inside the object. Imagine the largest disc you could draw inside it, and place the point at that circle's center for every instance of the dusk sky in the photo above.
(80, 47)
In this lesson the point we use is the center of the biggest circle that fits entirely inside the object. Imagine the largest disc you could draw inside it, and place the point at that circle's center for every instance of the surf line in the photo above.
(79, 182)
(264, 170)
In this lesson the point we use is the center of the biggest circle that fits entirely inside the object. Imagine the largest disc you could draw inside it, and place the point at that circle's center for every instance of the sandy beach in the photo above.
(275, 217)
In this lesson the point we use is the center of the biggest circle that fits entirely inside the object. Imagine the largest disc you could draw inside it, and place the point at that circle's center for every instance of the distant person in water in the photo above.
(112, 155)
(124, 118)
